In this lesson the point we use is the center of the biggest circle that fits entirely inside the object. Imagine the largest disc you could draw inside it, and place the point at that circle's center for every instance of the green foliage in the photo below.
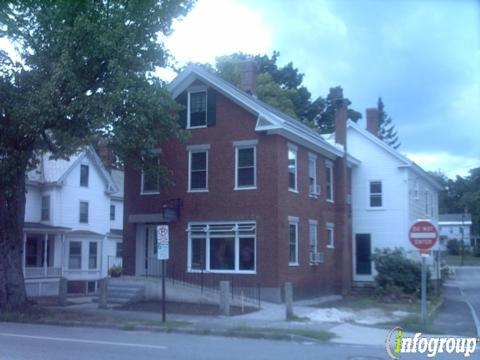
(326, 120)
(86, 73)
(396, 272)
(476, 251)
(453, 247)
(387, 130)
(115, 271)
(282, 88)
(461, 195)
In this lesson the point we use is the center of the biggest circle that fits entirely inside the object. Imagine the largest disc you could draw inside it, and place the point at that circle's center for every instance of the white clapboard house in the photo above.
(73, 222)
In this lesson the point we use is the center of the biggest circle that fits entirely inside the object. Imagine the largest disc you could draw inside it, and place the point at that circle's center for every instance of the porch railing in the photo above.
(42, 272)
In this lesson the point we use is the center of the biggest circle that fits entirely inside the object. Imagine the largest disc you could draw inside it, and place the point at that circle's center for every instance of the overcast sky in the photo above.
(422, 57)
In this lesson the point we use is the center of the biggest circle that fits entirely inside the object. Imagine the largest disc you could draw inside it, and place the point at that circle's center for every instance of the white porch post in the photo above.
(62, 264)
(45, 243)
(24, 262)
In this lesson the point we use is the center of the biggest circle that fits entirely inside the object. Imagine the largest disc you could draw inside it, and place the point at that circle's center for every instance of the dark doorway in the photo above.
(363, 247)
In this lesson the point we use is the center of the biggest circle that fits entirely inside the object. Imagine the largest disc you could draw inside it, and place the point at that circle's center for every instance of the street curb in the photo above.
(252, 333)
(472, 310)
(435, 308)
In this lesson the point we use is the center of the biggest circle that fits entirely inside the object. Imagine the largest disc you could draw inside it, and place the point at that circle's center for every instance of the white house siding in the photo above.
(34, 203)
(72, 193)
(388, 225)
(118, 222)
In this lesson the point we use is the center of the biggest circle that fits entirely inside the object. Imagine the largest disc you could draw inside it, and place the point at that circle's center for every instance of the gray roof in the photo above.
(455, 217)
(36, 226)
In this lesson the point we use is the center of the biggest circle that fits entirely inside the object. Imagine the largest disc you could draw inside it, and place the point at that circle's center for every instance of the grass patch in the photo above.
(296, 318)
(364, 302)
(168, 324)
(281, 334)
(468, 260)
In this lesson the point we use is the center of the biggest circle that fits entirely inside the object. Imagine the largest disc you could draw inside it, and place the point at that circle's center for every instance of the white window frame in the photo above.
(81, 255)
(88, 175)
(97, 262)
(329, 196)
(240, 145)
(330, 228)
(369, 205)
(194, 90)
(312, 224)
(293, 221)
(209, 235)
(80, 212)
(151, 192)
(294, 149)
(197, 149)
(312, 159)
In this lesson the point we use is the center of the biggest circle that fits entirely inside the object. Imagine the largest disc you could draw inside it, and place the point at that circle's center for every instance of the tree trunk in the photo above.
(12, 216)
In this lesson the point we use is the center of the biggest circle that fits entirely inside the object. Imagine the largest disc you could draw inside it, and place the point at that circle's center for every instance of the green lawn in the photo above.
(469, 260)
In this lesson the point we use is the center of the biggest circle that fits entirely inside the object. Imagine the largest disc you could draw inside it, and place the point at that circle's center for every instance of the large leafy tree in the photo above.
(461, 194)
(85, 74)
(387, 130)
(282, 87)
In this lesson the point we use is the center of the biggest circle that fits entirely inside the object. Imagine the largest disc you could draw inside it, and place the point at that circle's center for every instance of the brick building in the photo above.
(256, 196)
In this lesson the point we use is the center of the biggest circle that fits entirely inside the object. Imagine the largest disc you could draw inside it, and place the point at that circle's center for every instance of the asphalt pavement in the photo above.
(468, 280)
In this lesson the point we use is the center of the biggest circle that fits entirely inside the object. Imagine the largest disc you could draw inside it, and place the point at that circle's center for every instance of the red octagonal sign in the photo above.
(423, 235)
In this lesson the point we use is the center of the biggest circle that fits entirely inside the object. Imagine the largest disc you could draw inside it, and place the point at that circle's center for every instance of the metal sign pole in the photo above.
(163, 292)
(424, 291)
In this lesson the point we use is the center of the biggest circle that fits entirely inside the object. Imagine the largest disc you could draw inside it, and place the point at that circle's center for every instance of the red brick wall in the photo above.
(269, 205)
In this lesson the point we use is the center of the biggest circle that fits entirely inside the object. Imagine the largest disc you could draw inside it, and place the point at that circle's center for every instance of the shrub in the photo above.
(397, 271)
(453, 247)
(115, 271)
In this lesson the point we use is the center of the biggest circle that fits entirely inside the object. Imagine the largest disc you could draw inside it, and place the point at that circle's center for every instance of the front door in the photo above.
(363, 263)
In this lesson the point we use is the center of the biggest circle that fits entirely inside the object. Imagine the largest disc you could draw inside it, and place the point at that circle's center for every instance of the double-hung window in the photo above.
(313, 188)
(83, 218)
(198, 168)
(75, 255)
(313, 240)
(330, 235)
(197, 109)
(292, 167)
(45, 216)
(375, 194)
(329, 180)
(292, 241)
(245, 164)
(92, 255)
(222, 247)
(151, 176)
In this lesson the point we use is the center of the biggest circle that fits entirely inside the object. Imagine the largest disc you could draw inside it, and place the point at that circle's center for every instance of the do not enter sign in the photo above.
(423, 235)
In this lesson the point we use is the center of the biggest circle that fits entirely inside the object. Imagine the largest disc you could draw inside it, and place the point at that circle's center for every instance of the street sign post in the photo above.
(163, 254)
(423, 235)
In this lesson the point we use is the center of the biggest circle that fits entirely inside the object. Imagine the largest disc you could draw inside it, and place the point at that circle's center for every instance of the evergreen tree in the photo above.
(387, 130)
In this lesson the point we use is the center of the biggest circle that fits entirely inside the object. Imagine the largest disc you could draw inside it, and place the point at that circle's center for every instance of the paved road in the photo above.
(468, 279)
(23, 341)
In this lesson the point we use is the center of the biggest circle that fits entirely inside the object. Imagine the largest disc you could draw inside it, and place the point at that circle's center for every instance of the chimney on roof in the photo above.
(341, 116)
(373, 121)
(248, 76)
(105, 153)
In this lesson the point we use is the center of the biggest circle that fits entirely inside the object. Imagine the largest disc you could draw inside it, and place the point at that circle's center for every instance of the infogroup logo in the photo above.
(397, 343)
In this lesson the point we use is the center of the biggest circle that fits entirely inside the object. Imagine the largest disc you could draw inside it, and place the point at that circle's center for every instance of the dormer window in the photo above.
(197, 109)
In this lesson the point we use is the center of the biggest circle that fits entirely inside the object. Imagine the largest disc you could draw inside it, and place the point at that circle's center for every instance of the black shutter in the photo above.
(182, 100)
(211, 107)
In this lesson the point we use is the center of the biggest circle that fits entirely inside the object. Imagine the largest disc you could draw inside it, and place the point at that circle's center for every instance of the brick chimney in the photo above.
(105, 154)
(248, 76)
(373, 121)
(341, 116)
